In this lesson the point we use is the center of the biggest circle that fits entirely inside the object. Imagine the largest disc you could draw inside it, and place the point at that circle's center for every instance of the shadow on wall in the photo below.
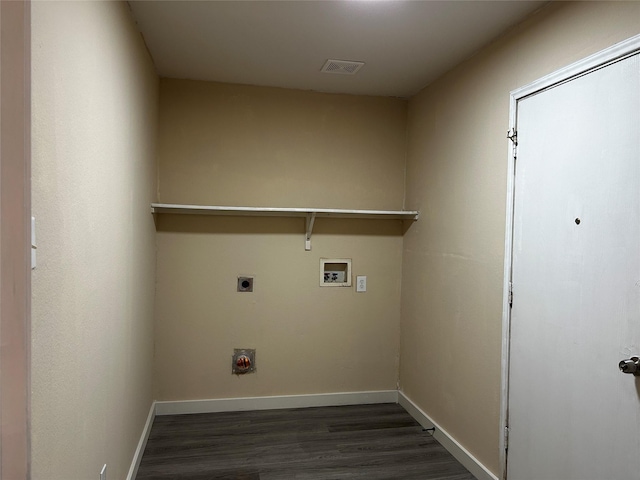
(276, 225)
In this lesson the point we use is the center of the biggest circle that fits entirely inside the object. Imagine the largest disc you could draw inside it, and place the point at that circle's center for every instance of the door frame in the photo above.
(598, 60)
(15, 238)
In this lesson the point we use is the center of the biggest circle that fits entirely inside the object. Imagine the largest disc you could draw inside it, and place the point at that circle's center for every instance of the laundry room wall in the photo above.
(235, 145)
(94, 118)
(453, 258)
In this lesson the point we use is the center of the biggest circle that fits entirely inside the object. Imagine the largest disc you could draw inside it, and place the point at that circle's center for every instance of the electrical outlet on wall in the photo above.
(361, 283)
(103, 472)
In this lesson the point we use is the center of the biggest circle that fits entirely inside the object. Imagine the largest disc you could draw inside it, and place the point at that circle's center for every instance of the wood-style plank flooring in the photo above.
(353, 442)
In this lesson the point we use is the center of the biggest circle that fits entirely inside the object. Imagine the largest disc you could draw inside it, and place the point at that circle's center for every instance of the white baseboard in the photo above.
(142, 443)
(179, 407)
(272, 403)
(470, 462)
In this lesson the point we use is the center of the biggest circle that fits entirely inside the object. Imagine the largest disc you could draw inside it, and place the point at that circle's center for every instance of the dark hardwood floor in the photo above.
(352, 442)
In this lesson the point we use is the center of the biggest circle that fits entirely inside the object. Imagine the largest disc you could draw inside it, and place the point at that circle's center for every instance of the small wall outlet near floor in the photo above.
(361, 283)
(103, 472)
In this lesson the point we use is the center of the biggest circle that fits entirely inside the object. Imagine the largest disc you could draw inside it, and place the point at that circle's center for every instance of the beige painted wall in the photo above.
(95, 95)
(456, 176)
(238, 145)
(223, 144)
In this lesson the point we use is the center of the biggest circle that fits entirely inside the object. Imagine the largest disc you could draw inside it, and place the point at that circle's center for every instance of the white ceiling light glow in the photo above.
(405, 44)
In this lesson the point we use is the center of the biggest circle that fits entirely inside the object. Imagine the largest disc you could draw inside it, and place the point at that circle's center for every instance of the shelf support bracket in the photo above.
(311, 218)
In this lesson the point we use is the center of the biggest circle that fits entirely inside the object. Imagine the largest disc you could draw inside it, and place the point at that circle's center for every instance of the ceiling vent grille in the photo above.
(342, 67)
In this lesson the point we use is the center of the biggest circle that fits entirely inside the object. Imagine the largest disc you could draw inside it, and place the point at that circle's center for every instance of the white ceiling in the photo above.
(405, 44)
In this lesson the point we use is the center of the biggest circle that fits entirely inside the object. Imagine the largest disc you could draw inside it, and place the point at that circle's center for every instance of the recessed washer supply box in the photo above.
(335, 272)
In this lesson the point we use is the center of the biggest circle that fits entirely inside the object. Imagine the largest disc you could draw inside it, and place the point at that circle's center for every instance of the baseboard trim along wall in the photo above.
(470, 462)
(137, 456)
(180, 407)
(272, 403)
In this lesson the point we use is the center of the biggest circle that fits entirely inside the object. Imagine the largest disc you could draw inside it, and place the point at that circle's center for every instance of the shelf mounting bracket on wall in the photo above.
(311, 218)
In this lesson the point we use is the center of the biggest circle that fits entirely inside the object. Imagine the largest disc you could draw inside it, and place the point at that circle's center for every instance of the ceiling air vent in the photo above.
(342, 67)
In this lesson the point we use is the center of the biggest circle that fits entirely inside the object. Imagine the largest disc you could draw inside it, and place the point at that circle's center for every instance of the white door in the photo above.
(572, 414)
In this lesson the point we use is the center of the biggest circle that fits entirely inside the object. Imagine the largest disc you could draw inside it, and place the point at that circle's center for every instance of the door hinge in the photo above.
(513, 136)
(506, 438)
(511, 294)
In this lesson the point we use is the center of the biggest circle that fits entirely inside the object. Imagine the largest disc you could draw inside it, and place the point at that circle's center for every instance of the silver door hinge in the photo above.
(510, 294)
(506, 438)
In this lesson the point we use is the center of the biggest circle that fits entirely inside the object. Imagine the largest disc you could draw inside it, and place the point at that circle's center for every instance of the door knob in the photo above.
(631, 365)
